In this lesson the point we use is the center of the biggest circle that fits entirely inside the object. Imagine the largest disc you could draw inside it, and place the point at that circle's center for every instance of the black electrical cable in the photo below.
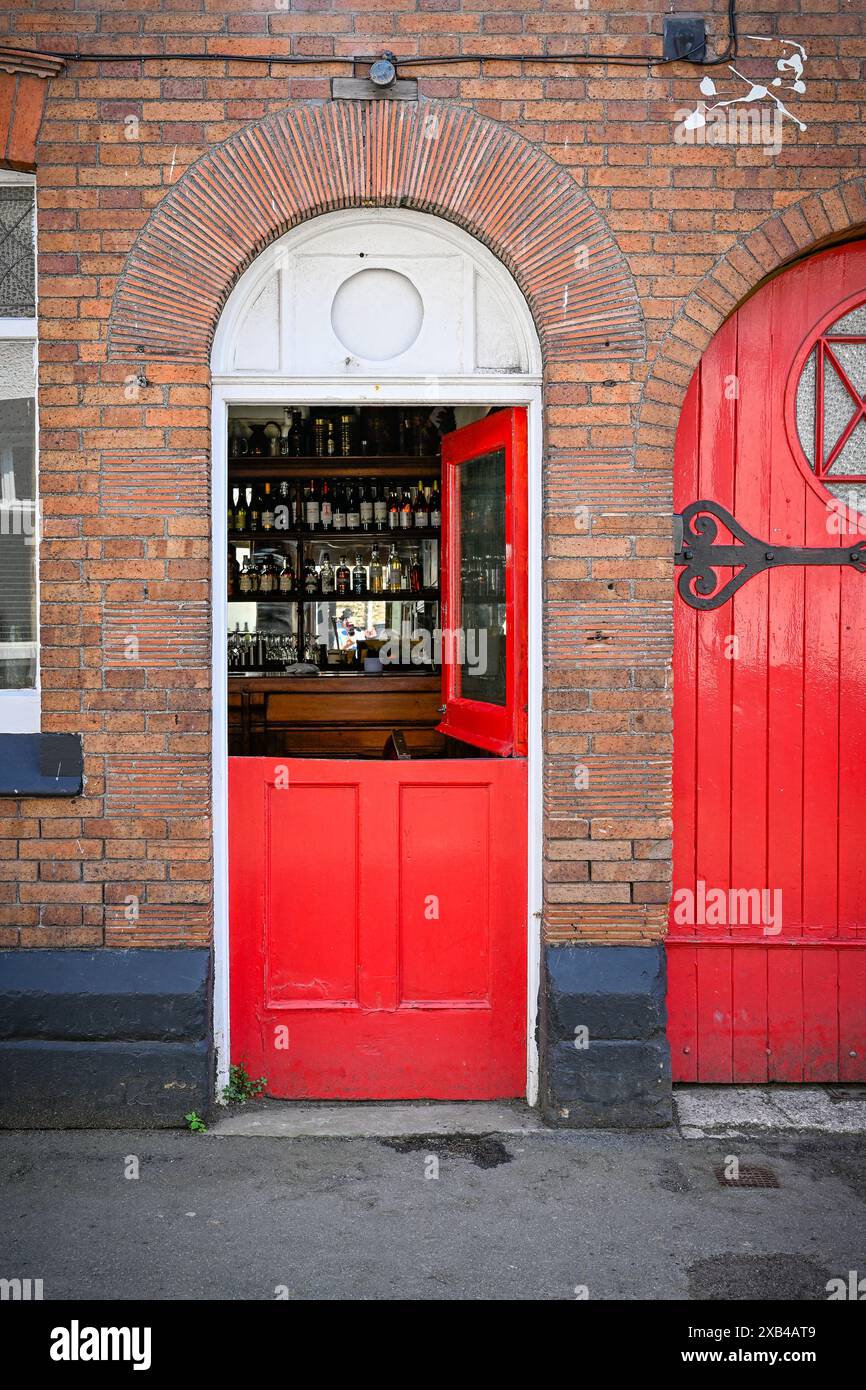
(427, 60)
(626, 59)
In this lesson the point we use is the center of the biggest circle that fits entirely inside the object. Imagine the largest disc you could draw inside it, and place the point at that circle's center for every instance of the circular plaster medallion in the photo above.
(377, 314)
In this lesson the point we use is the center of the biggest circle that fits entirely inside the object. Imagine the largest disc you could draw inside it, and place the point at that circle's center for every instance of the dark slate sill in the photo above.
(41, 765)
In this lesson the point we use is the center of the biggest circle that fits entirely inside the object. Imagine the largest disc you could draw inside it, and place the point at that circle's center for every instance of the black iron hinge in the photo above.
(696, 549)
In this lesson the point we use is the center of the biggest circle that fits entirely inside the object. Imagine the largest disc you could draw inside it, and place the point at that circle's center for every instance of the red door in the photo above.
(767, 966)
(378, 921)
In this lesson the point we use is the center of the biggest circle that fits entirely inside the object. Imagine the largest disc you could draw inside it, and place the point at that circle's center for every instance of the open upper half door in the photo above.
(484, 541)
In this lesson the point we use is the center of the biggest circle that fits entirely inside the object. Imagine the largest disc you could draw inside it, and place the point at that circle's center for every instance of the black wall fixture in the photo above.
(41, 765)
(684, 38)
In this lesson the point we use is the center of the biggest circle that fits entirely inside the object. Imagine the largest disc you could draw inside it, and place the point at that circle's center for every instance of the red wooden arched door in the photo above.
(767, 941)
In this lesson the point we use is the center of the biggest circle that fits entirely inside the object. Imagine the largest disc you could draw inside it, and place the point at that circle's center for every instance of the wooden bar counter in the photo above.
(336, 713)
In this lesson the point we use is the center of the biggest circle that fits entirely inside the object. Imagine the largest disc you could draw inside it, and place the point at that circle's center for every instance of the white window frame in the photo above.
(21, 710)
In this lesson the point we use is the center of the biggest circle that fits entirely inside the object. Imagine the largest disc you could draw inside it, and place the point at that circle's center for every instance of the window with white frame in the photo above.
(19, 667)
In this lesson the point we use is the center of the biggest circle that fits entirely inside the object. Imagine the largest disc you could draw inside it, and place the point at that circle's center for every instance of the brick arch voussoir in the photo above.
(433, 157)
(816, 221)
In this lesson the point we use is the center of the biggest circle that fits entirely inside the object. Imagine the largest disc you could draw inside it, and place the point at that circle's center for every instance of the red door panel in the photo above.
(378, 927)
(445, 846)
(305, 959)
(769, 712)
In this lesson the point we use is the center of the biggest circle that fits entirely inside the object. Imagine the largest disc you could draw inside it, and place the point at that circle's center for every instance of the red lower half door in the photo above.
(378, 927)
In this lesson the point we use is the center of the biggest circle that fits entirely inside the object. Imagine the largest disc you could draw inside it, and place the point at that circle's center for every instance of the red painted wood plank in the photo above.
(715, 1014)
(749, 1010)
(786, 654)
(717, 453)
(821, 1015)
(785, 1013)
(683, 1010)
(750, 656)
(852, 757)
(852, 1014)
(685, 669)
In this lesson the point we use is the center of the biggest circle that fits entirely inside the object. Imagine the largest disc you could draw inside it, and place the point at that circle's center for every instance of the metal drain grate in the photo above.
(750, 1175)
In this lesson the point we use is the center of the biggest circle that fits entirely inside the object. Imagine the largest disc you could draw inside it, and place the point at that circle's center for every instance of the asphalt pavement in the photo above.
(537, 1215)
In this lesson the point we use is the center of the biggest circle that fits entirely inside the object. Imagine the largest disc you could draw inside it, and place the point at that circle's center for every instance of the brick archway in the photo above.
(434, 157)
(813, 223)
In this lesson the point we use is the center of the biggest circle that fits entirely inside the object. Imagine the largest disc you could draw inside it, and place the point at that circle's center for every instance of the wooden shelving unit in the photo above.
(269, 467)
(245, 469)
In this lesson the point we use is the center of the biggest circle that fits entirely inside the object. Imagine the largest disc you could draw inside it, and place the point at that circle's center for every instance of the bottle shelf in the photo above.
(390, 537)
(367, 596)
(268, 466)
(380, 596)
(296, 596)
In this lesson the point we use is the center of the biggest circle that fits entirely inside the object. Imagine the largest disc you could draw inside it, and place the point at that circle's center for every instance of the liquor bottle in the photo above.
(339, 507)
(233, 506)
(286, 581)
(377, 582)
(326, 510)
(246, 646)
(268, 518)
(296, 438)
(286, 433)
(326, 574)
(283, 510)
(343, 578)
(393, 510)
(347, 435)
(422, 516)
(416, 577)
(330, 440)
(435, 506)
(380, 507)
(365, 506)
(359, 577)
(245, 579)
(311, 507)
(311, 577)
(234, 573)
(255, 512)
(353, 510)
(318, 435)
(406, 514)
(395, 571)
(242, 512)
(268, 575)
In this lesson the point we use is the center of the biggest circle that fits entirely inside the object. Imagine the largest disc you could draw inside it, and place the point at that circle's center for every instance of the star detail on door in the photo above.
(831, 402)
(832, 449)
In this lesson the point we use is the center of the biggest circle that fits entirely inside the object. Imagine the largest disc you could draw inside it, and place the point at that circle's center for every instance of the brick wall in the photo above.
(123, 468)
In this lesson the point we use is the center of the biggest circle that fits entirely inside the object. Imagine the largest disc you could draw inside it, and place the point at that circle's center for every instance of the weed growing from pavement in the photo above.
(241, 1086)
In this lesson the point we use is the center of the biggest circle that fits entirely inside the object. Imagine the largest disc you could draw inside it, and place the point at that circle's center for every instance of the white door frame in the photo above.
(501, 390)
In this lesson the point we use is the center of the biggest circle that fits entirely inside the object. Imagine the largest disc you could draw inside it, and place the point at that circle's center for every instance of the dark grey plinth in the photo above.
(605, 1057)
(116, 1038)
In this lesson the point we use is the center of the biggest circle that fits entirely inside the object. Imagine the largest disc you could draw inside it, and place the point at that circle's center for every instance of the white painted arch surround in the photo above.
(275, 344)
